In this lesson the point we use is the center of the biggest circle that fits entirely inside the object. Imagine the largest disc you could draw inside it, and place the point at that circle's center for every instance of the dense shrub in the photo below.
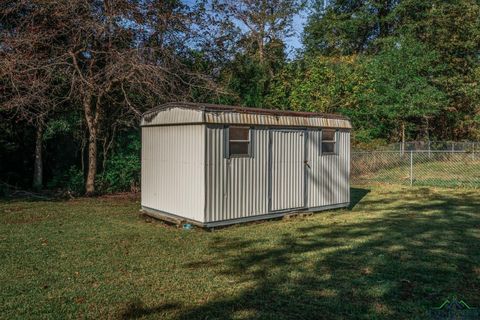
(71, 181)
(122, 173)
(122, 168)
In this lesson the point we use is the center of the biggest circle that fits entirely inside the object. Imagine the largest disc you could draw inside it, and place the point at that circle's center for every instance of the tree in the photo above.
(32, 88)
(318, 84)
(402, 88)
(452, 29)
(113, 54)
(382, 94)
(248, 39)
(348, 27)
(261, 23)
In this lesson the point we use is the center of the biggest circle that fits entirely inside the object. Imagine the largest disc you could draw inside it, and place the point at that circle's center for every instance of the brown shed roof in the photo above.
(214, 113)
(238, 109)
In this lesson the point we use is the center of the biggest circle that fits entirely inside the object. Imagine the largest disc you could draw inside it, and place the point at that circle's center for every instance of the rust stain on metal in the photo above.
(255, 116)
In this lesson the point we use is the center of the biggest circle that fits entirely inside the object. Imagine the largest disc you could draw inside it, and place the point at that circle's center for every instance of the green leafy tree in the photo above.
(448, 31)
(318, 84)
(402, 89)
(452, 29)
(384, 94)
(347, 27)
(257, 30)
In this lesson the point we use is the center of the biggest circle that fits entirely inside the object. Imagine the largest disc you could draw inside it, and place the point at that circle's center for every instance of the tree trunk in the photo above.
(427, 129)
(92, 163)
(261, 49)
(38, 164)
(92, 124)
(261, 43)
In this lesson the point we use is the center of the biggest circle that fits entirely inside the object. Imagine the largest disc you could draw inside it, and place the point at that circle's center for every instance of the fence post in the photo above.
(411, 167)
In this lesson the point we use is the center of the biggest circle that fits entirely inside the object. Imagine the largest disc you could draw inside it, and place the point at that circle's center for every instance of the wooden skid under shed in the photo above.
(177, 220)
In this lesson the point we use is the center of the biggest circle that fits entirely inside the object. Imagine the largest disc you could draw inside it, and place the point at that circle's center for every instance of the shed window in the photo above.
(238, 141)
(329, 140)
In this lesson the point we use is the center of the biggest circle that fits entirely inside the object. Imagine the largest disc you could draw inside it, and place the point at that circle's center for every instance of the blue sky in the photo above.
(299, 20)
(293, 42)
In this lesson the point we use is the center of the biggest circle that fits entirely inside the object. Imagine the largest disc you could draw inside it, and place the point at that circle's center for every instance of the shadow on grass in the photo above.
(136, 310)
(356, 195)
(397, 262)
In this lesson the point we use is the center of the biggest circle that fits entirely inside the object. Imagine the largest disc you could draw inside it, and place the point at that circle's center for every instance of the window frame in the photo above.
(334, 141)
(227, 143)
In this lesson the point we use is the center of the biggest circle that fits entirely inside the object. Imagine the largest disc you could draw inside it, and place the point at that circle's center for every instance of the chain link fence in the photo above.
(452, 168)
(467, 146)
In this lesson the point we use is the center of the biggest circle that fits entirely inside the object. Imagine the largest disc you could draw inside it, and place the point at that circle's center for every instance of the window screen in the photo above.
(238, 141)
(329, 141)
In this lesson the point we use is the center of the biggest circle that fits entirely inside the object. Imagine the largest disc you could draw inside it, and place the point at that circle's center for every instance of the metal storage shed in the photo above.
(215, 165)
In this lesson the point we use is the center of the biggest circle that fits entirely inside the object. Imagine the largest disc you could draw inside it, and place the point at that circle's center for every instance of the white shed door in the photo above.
(287, 169)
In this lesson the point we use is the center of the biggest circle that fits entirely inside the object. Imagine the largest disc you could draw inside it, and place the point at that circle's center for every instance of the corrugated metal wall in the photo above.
(236, 187)
(239, 187)
(287, 169)
(173, 170)
(328, 176)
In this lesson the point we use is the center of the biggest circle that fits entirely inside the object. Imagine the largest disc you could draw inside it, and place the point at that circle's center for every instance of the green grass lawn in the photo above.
(432, 173)
(396, 254)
